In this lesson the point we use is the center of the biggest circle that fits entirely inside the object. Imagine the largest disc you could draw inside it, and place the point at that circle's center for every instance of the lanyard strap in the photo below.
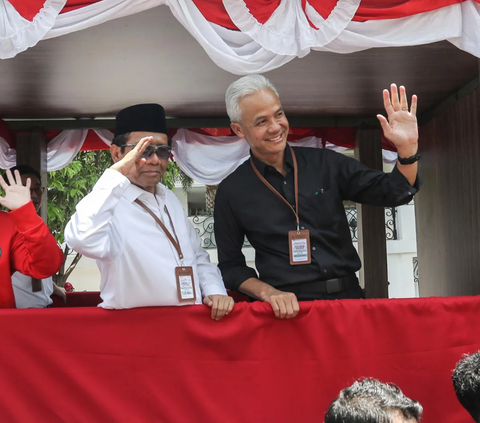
(175, 241)
(295, 178)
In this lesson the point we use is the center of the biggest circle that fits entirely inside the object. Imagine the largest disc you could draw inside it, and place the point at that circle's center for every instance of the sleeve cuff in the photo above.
(401, 188)
(214, 290)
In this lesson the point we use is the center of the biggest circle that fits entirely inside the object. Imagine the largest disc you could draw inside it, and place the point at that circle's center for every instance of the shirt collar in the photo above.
(133, 192)
(262, 167)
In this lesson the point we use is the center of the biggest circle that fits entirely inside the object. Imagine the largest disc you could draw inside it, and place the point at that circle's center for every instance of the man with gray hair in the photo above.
(466, 381)
(371, 401)
(288, 201)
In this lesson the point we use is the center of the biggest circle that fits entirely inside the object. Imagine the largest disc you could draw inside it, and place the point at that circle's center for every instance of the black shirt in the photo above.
(245, 206)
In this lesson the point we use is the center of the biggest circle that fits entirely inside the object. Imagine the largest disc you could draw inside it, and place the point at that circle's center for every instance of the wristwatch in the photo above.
(409, 160)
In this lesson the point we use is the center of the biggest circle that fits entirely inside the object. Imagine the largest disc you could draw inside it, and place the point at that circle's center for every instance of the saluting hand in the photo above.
(221, 305)
(400, 127)
(16, 195)
(132, 161)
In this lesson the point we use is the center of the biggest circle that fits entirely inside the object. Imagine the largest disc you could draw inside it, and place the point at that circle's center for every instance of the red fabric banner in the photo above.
(176, 365)
(214, 11)
(28, 9)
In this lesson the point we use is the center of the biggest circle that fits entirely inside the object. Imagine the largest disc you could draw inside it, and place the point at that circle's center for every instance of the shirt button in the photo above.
(302, 227)
(285, 182)
(324, 270)
(409, 193)
(314, 248)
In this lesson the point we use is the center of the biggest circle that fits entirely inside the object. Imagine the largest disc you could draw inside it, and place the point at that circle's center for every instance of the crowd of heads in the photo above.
(371, 401)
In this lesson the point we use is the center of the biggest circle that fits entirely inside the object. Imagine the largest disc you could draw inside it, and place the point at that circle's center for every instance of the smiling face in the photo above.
(264, 125)
(151, 173)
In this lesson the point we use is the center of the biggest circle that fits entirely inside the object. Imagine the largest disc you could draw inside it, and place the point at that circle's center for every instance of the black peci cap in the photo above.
(141, 118)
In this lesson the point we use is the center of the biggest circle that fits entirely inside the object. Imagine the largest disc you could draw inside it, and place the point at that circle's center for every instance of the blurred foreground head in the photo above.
(371, 401)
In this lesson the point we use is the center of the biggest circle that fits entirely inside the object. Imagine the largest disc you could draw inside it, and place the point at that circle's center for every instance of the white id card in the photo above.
(299, 244)
(185, 284)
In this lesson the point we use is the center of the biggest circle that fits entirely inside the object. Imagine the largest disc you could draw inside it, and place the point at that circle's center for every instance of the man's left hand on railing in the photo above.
(221, 305)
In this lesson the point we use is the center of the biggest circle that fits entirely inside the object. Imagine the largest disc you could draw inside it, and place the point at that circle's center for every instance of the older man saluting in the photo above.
(289, 201)
(147, 251)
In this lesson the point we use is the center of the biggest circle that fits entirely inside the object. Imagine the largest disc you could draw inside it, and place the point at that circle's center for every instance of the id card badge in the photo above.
(185, 284)
(299, 244)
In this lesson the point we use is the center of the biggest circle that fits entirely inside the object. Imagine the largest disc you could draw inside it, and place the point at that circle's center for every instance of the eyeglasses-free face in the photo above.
(163, 151)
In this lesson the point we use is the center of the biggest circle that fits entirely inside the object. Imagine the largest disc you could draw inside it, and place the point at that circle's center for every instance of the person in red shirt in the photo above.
(26, 244)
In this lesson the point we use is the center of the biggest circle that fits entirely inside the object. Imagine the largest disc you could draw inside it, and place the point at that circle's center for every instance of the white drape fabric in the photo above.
(257, 47)
(206, 159)
(288, 31)
(8, 156)
(98, 13)
(61, 150)
(17, 33)
(105, 135)
(64, 147)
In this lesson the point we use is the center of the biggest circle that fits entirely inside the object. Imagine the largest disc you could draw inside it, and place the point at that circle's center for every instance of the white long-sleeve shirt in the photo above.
(25, 297)
(136, 260)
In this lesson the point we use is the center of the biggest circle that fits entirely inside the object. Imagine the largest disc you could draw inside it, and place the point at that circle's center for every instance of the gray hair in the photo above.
(247, 85)
(371, 401)
(466, 381)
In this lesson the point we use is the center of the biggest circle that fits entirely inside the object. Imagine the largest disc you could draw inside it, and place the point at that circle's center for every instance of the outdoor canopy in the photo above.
(241, 37)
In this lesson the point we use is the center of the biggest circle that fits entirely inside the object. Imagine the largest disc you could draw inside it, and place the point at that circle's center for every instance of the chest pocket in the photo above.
(320, 206)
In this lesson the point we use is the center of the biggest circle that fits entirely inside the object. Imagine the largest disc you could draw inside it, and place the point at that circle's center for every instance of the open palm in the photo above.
(16, 195)
(400, 127)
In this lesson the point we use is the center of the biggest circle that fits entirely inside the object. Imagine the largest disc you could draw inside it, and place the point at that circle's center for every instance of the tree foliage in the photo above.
(67, 186)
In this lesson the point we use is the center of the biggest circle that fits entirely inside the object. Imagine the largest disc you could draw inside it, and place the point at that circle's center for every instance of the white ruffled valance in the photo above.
(260, 47)
(204, 158)
(17, 33)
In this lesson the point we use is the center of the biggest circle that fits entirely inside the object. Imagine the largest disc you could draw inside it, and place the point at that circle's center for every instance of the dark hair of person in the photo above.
(371, 401)
(24, 170)
(466, 381)
(123, 139)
